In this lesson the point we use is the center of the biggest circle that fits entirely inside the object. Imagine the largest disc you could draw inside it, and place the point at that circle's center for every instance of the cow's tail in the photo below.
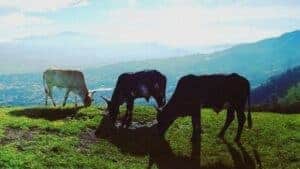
(249, 117)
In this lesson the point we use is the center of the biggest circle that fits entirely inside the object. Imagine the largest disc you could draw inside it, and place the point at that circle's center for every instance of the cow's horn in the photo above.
(93, 92)
(105, 99)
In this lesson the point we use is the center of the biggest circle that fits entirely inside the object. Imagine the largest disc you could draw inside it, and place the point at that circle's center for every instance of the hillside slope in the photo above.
(258, 61)
(65, 138)
(276, 87)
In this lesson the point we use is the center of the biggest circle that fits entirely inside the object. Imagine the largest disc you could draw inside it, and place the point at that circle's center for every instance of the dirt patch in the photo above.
(88, 136)
(21, 135)
(17, 134)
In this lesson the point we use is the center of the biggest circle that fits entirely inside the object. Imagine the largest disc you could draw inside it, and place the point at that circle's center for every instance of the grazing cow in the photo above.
(193, 92)
(130, 86)
(71, 80)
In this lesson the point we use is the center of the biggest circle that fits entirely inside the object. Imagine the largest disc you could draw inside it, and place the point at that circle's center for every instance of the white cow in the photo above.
(71, 80)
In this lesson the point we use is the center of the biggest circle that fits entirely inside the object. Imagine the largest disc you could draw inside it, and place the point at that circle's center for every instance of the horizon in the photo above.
(190, 53)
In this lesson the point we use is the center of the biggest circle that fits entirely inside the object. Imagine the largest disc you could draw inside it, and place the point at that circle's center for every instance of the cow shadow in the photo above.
(50, 114)
(242, 159)
(144, 141)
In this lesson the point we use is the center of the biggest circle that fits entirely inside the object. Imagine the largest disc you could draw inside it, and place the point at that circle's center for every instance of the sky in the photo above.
(178, 23)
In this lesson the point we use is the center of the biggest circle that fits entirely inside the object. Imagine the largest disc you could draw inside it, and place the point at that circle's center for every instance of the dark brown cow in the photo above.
(193, 92)
(142, 84)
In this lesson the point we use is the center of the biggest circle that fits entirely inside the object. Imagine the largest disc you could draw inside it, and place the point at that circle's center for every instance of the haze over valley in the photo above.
(257, 61)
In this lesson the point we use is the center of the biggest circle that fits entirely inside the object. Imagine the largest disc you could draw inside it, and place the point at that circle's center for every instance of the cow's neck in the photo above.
(172, 104)
(116, 99)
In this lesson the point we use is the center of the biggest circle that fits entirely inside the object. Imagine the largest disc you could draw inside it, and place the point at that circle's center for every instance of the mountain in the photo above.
(281, 93)
(279, 86)
(74, 50)
(257, 61)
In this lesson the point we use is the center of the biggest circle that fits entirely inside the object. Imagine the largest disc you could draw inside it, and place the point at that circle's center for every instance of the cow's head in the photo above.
(111, 110)
(165, 118)
(89, 98)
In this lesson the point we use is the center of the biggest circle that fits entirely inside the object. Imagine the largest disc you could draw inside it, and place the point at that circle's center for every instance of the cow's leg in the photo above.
(125, 117)
(126, 121)
(229, 119)
(130, 109)
(46, 99)
(50, 95)
(46, 88)
(66, 97)
(75, 101)
(196, 121)
(241, 121)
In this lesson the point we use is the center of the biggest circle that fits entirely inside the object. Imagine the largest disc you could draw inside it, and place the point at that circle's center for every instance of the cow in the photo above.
(193, 92)
(129, 86)
(71, 80)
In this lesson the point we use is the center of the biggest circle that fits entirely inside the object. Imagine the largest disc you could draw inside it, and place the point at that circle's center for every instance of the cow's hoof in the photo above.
(126, 125)
(123, 125)
(237, 140)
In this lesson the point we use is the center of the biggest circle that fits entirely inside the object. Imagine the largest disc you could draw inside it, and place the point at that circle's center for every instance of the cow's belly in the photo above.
(217, 106)
(141, 92)
(63, 83)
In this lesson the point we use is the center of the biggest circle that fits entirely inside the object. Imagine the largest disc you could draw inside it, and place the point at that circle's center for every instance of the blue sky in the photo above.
(178, 23)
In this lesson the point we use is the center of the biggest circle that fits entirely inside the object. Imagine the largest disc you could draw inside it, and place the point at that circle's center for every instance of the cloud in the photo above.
(197, 25)
(14, 20)
(41, 5)
(176, 23)
(18, 25)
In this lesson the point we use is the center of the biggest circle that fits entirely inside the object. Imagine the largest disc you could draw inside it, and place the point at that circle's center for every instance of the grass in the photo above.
(65, 138)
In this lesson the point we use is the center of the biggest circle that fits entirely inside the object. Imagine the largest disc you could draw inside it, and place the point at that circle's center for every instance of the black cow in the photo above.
(130, 86)
(193, 92)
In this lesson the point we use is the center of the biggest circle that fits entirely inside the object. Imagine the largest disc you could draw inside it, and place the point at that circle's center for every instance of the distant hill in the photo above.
(292, 95)
(74, 50)
(281, 93)
(257, 61)
(279, 88)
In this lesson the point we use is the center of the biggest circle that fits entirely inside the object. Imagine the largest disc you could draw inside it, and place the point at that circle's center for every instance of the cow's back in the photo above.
(64, 78)
(131, 81)
(211, 89)
(141, 84)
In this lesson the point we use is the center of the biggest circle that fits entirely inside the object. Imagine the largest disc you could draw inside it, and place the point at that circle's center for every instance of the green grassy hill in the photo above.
(292, 95)
(65, 138)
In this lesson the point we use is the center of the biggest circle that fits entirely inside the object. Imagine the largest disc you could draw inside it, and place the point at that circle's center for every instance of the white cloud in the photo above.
(195, 25)
(14, 20)
(41, 5)
(180, 24)
(18, 25)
